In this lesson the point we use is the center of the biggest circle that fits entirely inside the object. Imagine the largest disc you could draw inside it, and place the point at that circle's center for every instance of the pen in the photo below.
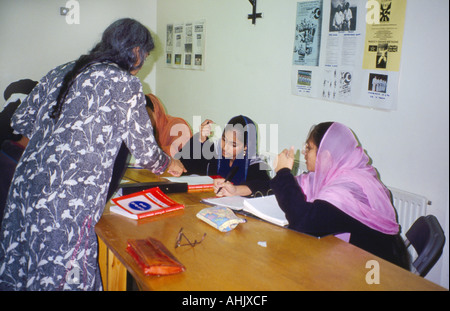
(229, 176)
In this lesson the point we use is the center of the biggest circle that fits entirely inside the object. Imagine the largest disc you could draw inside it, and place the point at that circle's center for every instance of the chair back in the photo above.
(428, 239)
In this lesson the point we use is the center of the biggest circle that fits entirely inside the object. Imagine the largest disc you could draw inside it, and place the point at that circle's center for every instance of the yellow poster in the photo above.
(384, 32)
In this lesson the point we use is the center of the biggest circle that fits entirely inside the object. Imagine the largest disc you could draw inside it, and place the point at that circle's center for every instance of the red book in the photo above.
(206, 187)
(145, 203)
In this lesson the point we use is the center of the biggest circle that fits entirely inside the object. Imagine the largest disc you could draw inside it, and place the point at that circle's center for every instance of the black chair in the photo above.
(427, 238)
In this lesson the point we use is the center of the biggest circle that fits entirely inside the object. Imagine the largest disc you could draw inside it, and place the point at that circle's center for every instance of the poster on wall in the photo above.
(307, 33)
(348, 51)
(185, 45)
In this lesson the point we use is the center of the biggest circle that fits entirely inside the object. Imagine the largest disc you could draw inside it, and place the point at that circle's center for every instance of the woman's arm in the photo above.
(138, 135)
(317, 218)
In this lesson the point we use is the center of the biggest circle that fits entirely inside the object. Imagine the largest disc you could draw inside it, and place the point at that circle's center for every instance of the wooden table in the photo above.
(234, 261)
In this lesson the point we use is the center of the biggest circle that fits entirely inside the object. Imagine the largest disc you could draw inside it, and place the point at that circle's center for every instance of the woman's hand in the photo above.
(176, 168)
(227, 189)
(205, 130)
(285, 159)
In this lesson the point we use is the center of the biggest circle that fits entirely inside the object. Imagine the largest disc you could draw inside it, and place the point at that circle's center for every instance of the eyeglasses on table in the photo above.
(181, 234)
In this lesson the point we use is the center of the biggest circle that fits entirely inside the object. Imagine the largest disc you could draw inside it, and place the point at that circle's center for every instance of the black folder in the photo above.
(165, 186)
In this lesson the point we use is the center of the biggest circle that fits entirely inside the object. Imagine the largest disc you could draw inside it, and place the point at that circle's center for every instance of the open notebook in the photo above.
(266, 208)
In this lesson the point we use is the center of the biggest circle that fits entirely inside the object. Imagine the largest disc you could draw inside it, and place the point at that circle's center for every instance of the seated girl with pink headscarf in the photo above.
(340, 195)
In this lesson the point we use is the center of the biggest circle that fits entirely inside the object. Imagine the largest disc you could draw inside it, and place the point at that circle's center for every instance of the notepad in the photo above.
(266, 208)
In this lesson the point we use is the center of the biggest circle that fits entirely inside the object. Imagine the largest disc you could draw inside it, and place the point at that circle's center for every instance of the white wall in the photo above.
(35, 38)
(248, 72)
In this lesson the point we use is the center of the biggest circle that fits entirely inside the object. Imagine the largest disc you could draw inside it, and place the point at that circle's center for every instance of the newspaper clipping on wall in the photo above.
(185, 45)
(348, 51)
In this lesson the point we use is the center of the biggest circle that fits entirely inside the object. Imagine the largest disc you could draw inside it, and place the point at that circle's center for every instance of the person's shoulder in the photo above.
(113, 71)
(60, 69)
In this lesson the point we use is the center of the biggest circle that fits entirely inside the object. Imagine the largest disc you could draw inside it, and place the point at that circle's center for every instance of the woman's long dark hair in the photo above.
(117, 46)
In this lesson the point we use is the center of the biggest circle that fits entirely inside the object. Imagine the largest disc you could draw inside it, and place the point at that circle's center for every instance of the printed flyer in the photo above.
(185, 45)
(348, 51)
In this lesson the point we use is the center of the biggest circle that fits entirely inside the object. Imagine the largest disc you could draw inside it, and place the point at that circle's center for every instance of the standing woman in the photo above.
(76, 119)
(341, 194)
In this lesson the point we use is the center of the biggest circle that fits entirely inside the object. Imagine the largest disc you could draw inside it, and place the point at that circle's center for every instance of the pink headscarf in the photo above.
(344, 178)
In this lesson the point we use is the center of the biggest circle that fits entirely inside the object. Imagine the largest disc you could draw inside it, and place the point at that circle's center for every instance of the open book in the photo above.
(144, 204)
(266, 208)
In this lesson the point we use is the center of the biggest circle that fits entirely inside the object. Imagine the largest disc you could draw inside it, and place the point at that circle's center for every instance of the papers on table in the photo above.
(266, 208)
(235, 203)
(192, 180)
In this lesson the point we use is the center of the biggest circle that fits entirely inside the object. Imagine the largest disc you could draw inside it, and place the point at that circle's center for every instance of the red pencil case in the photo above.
(153, 257)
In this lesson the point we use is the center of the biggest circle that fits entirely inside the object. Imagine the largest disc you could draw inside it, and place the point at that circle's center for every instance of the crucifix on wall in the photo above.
(254, 15)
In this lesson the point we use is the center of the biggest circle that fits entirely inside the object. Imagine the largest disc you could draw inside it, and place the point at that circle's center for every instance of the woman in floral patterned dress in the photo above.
(76, 119)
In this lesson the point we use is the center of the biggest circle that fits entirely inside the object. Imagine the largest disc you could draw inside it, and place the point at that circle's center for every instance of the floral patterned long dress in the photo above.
(60, 186)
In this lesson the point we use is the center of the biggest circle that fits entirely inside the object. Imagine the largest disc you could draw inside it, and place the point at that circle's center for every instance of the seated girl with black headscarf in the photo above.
(237, 148)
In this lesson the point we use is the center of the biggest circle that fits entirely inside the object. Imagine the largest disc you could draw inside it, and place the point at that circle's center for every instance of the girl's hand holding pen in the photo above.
(224, 188)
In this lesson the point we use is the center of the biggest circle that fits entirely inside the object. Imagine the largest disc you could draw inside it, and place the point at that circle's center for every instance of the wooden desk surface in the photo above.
(235, 261)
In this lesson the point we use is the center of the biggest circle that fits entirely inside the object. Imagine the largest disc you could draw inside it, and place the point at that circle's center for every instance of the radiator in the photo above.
(409, 206)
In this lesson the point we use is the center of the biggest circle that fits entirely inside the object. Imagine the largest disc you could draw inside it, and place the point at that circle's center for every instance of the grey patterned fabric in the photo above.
(61, 182)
